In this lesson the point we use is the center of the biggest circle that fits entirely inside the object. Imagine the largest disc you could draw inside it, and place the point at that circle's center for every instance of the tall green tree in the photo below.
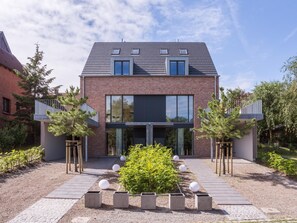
(221, 121)
(237, 97)
(35, 83)
(73, 121)
(271, 94)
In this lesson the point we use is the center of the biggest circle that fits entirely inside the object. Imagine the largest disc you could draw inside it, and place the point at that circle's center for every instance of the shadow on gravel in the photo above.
(272, 177)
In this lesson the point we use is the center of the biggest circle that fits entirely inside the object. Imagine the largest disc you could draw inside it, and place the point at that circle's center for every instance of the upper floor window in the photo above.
(116, 51)
(177, 67)
(135, 51)
(179, 108)
(122, 67)
(163, 51)
(6, 105)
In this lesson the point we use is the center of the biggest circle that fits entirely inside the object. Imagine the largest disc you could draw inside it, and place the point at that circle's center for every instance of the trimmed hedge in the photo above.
(149, 169)
(16, 159)
(276, 161)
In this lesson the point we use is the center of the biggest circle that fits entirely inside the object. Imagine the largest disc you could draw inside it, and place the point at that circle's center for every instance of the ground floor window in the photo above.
(180, 140)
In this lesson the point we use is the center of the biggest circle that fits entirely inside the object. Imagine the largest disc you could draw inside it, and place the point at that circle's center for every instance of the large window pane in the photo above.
(126, 68)
(107, 110)
(171, 109)
(128, 109)
(114, 141)
(170, 139)
(182, 108)
(118, 68)
(181, 68)
(116, 108)
(191, 108)
(188, 142)
(173, 68)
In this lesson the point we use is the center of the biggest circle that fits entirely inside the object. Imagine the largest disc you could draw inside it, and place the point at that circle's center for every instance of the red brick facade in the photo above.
(8, 86)
(95, 88)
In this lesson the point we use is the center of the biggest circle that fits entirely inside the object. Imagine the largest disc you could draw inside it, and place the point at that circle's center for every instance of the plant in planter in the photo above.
(72, 122)
(149, 168)
(221, 122)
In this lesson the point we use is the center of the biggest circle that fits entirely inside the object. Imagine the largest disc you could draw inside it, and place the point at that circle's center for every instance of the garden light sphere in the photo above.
(194, 186)
(123, 158)
(104, 184)
(116, 167)
(182, 168)
(175, 157)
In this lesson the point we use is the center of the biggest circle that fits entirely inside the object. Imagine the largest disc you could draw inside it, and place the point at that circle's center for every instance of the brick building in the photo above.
(8, 80)
(145, 93)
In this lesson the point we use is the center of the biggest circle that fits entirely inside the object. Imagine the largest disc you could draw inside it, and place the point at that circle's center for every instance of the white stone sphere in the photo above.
(116, 167)
(175, 157)
(182, 168)
(123, 158)
(194, 186)
(104, 184)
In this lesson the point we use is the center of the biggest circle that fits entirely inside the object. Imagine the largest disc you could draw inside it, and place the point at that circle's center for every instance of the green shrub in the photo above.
(15, 159)
(12, 135)
(149, 169)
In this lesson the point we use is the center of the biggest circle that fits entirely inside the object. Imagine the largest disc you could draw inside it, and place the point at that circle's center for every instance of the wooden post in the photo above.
(231, 148)
(220, 157)
(67, 161)
(227, 145)
(217, 157)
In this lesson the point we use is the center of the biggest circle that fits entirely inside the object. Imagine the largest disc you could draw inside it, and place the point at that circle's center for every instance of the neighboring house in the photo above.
(8, 80)
(145, 93)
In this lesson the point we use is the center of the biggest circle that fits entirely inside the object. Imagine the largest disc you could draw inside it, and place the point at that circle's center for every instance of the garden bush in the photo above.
(149, 169)
(16, 159)
(12, 135)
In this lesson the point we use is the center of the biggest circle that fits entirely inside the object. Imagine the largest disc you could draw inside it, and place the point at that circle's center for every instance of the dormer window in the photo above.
(163, 51)
(116, 51)
(183, 51)
(121, 66)
(177, 66)
(135, 51)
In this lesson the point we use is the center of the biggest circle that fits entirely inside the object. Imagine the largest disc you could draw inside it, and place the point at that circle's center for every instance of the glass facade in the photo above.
(119, 140)
(180, 140)
(179, 108)
(119, 108)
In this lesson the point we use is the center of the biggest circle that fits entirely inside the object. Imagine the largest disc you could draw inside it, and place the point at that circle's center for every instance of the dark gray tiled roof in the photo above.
(149, 61)
(7, 59)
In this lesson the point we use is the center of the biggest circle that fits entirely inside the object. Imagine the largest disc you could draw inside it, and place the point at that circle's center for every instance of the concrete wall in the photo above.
(246, 147)
(54, 145)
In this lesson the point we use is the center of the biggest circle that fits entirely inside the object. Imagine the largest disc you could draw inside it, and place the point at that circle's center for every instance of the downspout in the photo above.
(86, 137)
(212, 140)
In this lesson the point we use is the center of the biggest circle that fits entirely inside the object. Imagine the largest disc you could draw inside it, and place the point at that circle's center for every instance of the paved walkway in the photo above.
(57, 203)
(226, 197)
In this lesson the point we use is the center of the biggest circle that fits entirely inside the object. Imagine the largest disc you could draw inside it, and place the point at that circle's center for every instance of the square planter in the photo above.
(120, 199)
(176, 201)
(93, 199)
(203, 202)
(148, 200)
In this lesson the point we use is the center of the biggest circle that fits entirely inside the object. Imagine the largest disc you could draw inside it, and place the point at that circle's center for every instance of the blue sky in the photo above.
(249, 40)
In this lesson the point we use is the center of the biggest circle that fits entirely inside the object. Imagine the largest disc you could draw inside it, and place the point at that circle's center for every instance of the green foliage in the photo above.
(149, 169)
(12, 135)
(271, 95)
(221, 121)
(35, 83)
(72, 122)
(16, 159)
(271, 158)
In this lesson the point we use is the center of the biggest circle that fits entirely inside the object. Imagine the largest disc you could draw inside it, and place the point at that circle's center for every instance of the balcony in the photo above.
(53, 105)
(253, 110)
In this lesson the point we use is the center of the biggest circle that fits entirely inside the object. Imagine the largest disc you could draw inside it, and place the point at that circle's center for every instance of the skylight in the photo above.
(183, 51)
(116, 51)
(135, 51)
(163, 51)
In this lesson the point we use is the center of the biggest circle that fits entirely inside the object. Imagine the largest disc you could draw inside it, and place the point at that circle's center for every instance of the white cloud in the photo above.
(66, 30)
(243, 80)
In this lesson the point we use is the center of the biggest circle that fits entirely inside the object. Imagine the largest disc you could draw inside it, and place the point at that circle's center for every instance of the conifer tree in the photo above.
(35, 83)
(72, 121)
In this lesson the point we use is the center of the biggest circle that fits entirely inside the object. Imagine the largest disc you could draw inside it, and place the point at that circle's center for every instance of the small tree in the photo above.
(221, 121)
(72, 122)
